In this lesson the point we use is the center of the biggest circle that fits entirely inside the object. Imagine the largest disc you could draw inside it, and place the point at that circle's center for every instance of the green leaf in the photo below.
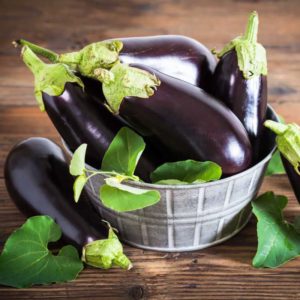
(77, 164)
(275, 165)
(278, 240)
(127, 81)
(120, 197)
(26, 260)
(78, 186)
(188, 171)
(124, 152)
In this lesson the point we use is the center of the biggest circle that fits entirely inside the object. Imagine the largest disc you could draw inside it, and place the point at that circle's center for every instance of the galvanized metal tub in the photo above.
(188, 217)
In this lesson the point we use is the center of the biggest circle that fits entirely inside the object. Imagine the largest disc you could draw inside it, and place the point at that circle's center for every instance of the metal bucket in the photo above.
(188, 217)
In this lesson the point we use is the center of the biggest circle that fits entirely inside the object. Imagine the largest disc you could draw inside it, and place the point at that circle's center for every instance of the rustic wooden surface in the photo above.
(220, 272)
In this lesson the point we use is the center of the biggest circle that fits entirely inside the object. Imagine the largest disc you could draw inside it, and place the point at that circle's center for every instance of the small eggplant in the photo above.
(240, 81)
(288, 143)
(38, 180)
(175, 55)
(187, 121)
(78, 118)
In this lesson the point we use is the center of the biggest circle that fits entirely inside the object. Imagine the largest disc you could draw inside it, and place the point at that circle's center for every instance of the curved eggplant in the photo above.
(189, 123)
(242, 88)
(80, 120)
(175, 55)
(38, 180)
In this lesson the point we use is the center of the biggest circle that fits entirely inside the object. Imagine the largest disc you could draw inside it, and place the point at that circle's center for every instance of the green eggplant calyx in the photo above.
(251, 56)
(288, 141)
(48, 78)
(103, 75)
(52, 56)
(106, 253)
(128, 82)
(103, 55)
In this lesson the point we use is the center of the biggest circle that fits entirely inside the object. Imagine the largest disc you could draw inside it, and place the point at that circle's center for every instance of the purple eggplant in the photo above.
(38, 180)
(189, 123)
(76, 116)
(175, 55)
(80, 120)
(240, 81)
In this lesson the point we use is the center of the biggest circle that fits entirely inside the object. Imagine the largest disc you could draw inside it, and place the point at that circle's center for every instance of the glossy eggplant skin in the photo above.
(175, 55)
(293, 177)
(246, 98)
(79, 119)
(38, 181)
(190, 124)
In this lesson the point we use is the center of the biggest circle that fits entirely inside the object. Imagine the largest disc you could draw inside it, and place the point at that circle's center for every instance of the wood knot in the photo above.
(137, 292)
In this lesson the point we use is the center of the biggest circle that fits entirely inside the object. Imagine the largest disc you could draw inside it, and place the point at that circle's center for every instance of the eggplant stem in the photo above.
(52, 56)
(252, 28)
(31, 60)
(276, 127)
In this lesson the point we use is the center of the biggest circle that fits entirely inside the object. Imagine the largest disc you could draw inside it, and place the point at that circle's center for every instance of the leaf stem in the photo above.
(276, 127)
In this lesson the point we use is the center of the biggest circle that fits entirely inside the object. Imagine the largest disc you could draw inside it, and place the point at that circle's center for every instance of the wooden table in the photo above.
(220, 272)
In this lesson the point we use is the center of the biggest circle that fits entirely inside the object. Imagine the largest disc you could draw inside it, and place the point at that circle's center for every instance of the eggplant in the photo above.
(76, 116)
(38, 181)
(189, 123)
(80, 120)
(175, 55)
(240, 81)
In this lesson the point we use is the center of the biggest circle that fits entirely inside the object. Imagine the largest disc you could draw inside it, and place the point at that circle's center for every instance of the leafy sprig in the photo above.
(118, 164)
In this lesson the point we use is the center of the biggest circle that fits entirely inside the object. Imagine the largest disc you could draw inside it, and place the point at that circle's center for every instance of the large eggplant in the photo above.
(80, 120)
(38, 181)
(189, 123)
(240, 81)
(175, 55)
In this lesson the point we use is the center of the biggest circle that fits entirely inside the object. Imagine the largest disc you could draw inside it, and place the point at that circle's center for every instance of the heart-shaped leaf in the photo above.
(26, 259)
(278, 240)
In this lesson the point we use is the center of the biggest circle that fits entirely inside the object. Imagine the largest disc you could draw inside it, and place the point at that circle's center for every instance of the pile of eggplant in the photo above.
(169, 89)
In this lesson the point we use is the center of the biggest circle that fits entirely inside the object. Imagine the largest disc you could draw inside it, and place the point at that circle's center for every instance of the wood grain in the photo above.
(220, 272)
